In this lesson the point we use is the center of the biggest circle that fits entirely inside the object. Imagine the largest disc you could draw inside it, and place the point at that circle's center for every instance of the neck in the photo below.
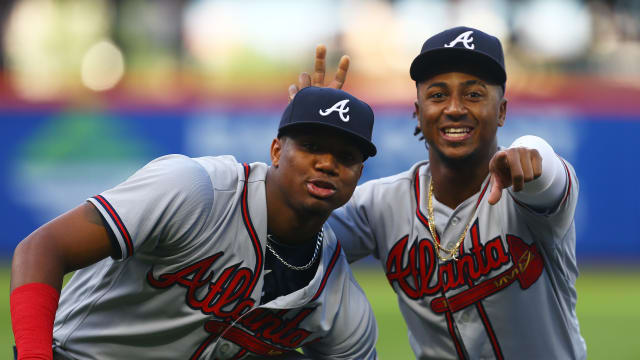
(291, 226)
(455, 180)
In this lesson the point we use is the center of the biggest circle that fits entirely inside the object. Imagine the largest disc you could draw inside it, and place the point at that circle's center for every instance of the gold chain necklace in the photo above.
(453, 252)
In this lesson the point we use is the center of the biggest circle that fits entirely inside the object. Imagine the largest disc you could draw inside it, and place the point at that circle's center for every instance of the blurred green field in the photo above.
(608, 309)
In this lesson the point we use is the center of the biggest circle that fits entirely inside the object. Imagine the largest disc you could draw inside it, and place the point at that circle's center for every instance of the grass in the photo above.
(608, 310)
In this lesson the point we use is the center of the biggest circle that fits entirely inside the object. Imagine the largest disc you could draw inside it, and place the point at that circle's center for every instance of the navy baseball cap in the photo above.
(331, 108)
(461, 48)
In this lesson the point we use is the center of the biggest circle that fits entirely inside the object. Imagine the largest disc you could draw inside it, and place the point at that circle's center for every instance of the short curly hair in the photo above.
(417, 131)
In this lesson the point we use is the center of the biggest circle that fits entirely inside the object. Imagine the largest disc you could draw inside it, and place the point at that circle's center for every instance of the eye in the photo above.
(310, 146)
(347, 157)
(350, 157)
(436, 95)
(475, 95)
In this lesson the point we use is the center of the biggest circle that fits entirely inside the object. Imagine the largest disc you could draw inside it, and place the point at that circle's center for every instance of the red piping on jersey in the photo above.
(422, 218)
(566, 168)
(482, 193)
(248, 341)
(452, 332)
(566, 194)
(116, 218)
(251, 230)
(419, 213)
(492, 335)
(239, 354)
(334, 258)
(450, 321)
(200, 349)
(483, 315)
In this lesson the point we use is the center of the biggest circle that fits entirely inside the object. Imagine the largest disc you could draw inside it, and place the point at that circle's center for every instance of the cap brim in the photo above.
(437, 61)
(366, 146)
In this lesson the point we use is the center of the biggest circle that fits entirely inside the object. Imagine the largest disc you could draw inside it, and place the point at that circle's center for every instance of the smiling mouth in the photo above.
(456, 133)
(321, 189)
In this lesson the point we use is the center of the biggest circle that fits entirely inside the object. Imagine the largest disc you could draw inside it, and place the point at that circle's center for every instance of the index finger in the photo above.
(319, 66)
(341, 74)
(516, 170)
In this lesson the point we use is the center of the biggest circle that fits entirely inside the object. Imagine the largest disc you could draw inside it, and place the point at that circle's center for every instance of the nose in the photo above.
(455, 109)
(327, 163)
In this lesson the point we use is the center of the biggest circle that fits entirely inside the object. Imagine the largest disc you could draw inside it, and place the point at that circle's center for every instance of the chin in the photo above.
(459, 152)
(317, 207)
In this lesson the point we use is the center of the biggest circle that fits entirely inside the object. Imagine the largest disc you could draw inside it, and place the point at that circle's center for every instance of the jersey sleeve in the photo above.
(556, 222)
(354, 332)
(351, 225)
(545, 193)
(163, 204)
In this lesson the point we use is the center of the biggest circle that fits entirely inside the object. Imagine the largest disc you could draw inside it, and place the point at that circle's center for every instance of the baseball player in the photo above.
(207, 258)
(478, 242)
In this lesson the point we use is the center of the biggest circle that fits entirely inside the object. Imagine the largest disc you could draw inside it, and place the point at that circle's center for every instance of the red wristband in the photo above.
(33, 309)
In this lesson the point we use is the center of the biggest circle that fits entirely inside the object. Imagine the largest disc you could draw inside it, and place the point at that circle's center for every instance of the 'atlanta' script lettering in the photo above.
(225, 297)
(415, 277)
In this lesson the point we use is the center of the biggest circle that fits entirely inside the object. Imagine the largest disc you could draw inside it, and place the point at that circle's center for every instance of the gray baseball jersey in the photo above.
(191, 234)
(510, 294)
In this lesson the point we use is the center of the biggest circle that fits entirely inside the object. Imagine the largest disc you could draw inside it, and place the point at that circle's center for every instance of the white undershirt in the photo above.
(545, 192)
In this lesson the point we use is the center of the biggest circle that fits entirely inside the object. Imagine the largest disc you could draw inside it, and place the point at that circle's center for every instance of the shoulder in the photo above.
(224, 171)
(390, 185)
(171, 172)
(227, 172)
(180, 176)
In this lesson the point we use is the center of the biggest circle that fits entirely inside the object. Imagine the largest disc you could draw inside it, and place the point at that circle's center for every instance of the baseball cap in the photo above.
(461, 47)
(332, 108)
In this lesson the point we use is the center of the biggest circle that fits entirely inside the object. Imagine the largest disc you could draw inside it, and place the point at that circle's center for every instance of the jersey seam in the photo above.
(91, 306)
(209, 213)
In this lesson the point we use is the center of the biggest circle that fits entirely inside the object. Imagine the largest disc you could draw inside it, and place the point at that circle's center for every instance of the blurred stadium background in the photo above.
(92, 90)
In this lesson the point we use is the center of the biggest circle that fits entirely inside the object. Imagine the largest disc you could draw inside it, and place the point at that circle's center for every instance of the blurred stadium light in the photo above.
(91, 90)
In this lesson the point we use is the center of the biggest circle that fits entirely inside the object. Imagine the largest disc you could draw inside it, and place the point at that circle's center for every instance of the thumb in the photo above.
(496, 190)
(293, 90)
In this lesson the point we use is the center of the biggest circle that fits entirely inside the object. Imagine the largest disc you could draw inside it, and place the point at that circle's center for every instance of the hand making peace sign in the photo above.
(319, 70)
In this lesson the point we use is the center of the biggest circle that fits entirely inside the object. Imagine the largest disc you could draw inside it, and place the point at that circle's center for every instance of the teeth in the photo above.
(456, 132)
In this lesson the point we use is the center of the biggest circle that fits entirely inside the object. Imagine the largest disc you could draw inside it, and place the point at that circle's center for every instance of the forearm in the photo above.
(36, 279)
(546, 191)
(71, 241)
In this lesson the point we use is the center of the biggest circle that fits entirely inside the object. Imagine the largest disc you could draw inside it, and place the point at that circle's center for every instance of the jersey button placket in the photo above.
(465, 317)
(224, 348)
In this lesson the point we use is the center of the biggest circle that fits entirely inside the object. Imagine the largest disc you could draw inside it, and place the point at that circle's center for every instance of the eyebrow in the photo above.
(438, 84)
(466, 83)
(474, 82)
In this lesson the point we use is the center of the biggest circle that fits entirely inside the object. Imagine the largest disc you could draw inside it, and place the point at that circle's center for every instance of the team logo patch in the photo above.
(415, 276)
(340, 107)
(263, 332)
(223, 294)
(464, 38)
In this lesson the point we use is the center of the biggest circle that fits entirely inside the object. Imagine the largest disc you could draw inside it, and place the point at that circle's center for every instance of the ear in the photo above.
(360, 172)
(276, 151)
(502, 112)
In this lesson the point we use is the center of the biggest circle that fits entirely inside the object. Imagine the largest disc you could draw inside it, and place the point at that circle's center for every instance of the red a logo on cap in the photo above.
(465, 39)
(340, 107)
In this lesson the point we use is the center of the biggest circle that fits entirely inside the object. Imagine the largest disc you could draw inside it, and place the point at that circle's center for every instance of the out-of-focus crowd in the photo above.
(157, 48)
